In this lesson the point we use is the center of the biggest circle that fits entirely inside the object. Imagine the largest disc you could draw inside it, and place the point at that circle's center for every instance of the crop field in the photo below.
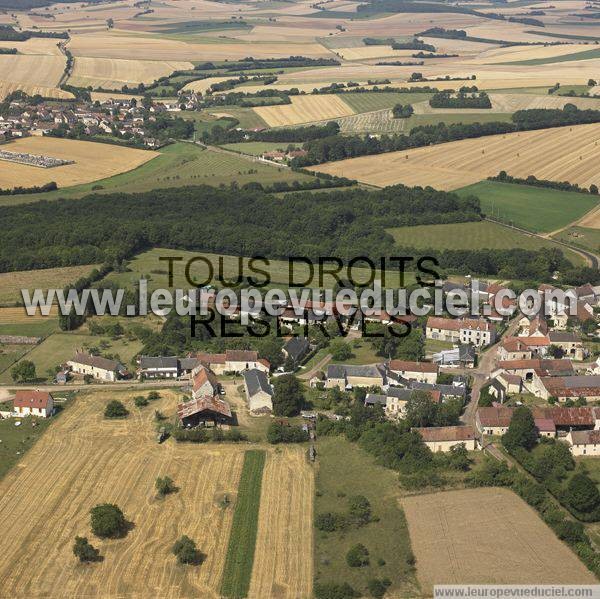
(470, 236)
(489, 536)
(42, 70)
(92, 161)
(256, 148)
(113, 74)
(591, 220)
(523, 54)
(576, 56)
(368, 52)
(11, 283)
(96, 461)
(560, 154)
(535, 208)
(202, 85)
(581, 236)
(17, 315)
(304, 109)
(369, 102)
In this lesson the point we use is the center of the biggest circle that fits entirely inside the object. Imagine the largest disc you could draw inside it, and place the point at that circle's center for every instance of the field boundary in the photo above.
(242, 539)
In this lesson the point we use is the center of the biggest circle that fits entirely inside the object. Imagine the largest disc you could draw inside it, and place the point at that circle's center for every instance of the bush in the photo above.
(165, 485)
(357, 556)
(360, 509)
(115, 409)
(280, 433)
(582, 493)
(330, 521)
(140, 401)
(153, 395)
(197, 435)
(332, 590)
(186, 551)
(85, 551)
(377, 587)
(108, 521)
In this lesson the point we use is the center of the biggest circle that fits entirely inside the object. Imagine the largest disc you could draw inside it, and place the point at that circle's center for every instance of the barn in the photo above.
(204, 410)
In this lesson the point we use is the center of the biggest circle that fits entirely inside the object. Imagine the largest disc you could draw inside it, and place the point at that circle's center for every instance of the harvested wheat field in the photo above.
(43, 71)
(283, 564)
(53, 93)
(111, 74)
(560, 154)
(521, 53)
(35, 45)
(203, 85)
(367, 52)
(19, 316)
(486, 536)
(93, 161)
(591, 220)
(94, 461)
(304, 109)
(11, 283)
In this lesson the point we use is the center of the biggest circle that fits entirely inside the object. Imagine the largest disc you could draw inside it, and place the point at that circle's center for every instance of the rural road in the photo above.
(124, 385)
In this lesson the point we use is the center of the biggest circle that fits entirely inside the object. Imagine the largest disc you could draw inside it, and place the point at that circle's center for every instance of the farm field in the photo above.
(591, 220)
(304, 109)
(11, 283)
(514, 545)
(256, 148)
(113, 74)
(537, 209)
(559, 154)
(53, 93)
(60, 347)
(471, 236)
(43, 70)
(346, 470)
(95, 461)
(581, 236)
(92, 161)
(368, 102)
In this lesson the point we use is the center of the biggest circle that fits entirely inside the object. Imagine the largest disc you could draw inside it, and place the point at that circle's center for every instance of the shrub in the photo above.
(85, 551)
(377, 587)
(330, 521)
(186, 551)
(360, 509)
(140, 401)
(280, 433)
(332, 590)
(107, 520)
(165, 485)
(153, 395)
(357, 556)
(115, 409)
(582, 493)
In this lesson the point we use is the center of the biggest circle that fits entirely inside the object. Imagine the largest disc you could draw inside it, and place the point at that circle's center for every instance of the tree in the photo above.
(377, 587)
(165, 485)
(458, 458)
(186, 551)
(582, 493)
(288, 397)
(140, 401)
(360, 509)
(153, 395)
(107, 520)
(420, 409)
(340, 350)
(85, 551)
(115, 409)
(334, 590)
(281, 433)
(521, 431)
(23, 371)
(555, 352)
(357, 556)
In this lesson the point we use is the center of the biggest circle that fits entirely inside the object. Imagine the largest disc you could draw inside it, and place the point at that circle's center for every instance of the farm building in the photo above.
(425, 372)
(477, 332)
(233, 361)
(444, 438)
(33, 403)
(159, 367)
(204, 410)
(345, 376)
(204, 382)
(259, 392)
(568, 387)
(584, 442)
(96, 366)
(296, 349)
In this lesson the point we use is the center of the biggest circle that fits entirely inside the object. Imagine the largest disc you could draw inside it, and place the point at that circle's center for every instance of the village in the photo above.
(491, 367)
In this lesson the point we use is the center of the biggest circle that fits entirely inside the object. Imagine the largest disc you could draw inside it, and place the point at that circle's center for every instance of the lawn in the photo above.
(60, 347)
(368, 102)
(470, 236)
(362, 353)
(149, 265)
(534, 208)
(581, 236)
(346, 470)
(242, 538)
(179, 164)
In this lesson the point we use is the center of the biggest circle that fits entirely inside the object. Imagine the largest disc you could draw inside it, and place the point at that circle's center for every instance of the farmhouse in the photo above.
(569, 387)
(584, 442)
(159, 367)
(477, 332)
(296, 348)
(426, 372)
(345, 376)
(504, 385)
(204, 383)
(514, 348)
(259, 392)
(33, 403)
(444, 438)
(233, 361)
(568, 342)
(96, 366)
(493, 420)
(203, 410)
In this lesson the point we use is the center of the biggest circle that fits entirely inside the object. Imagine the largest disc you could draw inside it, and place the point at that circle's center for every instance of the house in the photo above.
(233, 360)
(528, 369)
(33, 403)
(514, 348)
(569, 342)
(96, 366)
(462, 356)
(345, 376)
(203, 410)
(296, 348)
(259, 392)
(569, 387)
(159, 367)
(504, 385)
(477, 332)
(204, 382)
(62, 377)
(493, 420)
(533, 327)
(426, 372)
(444, 438)
(584, 442)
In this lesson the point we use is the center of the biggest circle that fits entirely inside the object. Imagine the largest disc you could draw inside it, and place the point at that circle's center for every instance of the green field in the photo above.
(35, 328)
(149, 266)
(242, 538)
(368, 102)
(178, 165)
(471, 236)
(248, 119)
(585, 55)
(60, 347)
(581, 236)
(346, 470)
(256, 148)
(537, 209)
